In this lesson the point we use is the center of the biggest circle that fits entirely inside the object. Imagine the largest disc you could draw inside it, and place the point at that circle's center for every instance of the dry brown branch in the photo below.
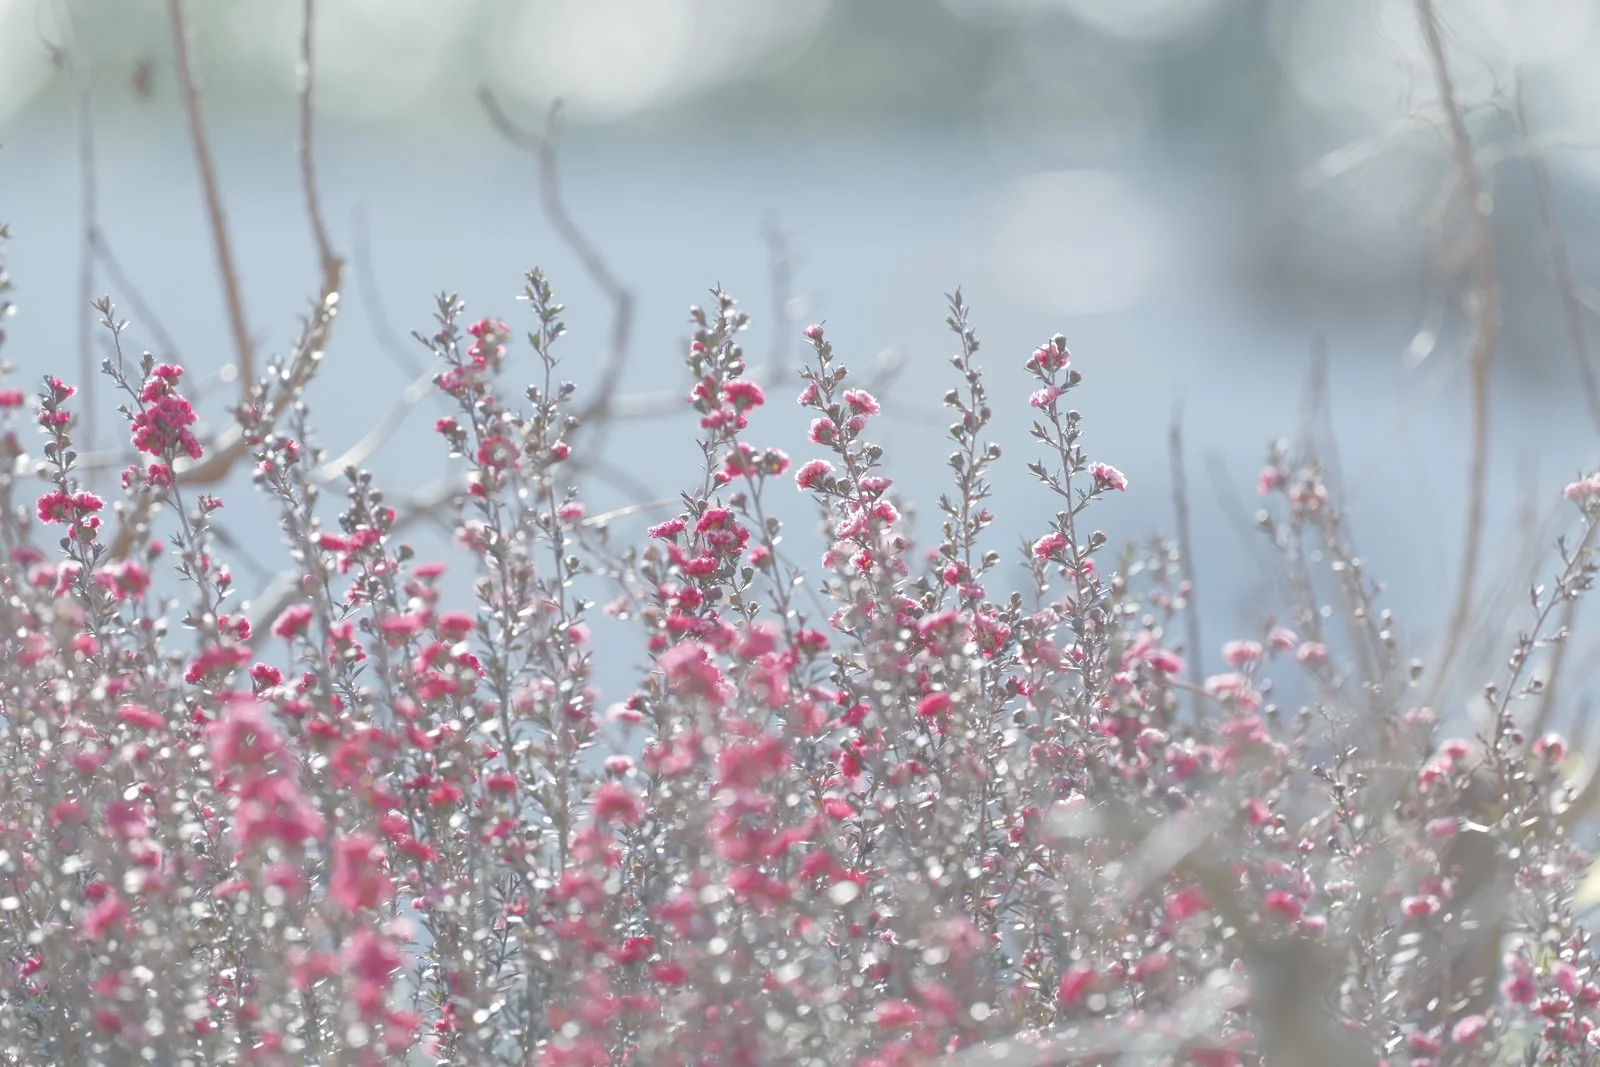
(244, 350)
(1483, 305)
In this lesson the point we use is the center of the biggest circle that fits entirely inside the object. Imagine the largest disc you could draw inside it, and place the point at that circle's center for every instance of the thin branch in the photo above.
(1245, 529)
(372, 303)
(142, 309)
(1483, 304)
(374, 438)
(1180, 507)
(225, 450)
(244, 351)
(1560, 264)
(330, 262)
(428, 504)
(597, 412)
(780, 271)
(231, 445)
(621, 479)
(89, 223)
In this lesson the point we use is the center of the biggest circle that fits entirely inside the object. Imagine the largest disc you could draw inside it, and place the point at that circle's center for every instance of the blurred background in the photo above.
(1198, 193)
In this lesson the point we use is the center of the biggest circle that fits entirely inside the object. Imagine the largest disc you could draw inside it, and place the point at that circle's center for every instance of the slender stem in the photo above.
(243, 351)
(1483, 306)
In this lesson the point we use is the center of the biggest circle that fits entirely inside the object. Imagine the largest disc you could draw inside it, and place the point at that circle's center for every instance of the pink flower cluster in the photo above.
(161, 426)
(882, 817)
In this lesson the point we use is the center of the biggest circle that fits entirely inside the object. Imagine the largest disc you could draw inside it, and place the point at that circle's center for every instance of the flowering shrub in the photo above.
(880, 813)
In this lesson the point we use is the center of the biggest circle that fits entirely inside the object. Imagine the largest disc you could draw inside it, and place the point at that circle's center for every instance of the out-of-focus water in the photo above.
(1153, 270)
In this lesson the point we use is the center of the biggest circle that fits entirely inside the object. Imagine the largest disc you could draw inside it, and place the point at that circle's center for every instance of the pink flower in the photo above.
(1582, 489)
(161, 427)
(1426, 1043)
(1564, 976)
(455, 625)
(1469, 1030)
(1239, 654)
(1050, 545)
(1283, 903)
(1311, 652)
(1043, 398)
(1519, 986)
(1235, 689)
(1107, 476)
(614, 802)
(109, 912)
(275, 809)
(242, 739)
(1186, 902)
(56, 506)
(712, 519)
(372, 960)
(1050, 356)
(933, 705)
(813, 333)
(743, 395)
(1552, 748)
(1443, 828)
(861, 402)
(812, 472)
(1075, 983)
(497, 452)
(666, 531)
(141, 716)
(1420, 907)
(358, 879)
(293, 621)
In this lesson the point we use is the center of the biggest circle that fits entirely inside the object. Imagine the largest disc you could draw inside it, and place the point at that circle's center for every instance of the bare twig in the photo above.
(1483, 305)
(428, 504)
(1180, 507)
(89, 223)
(374, 438)
(330, 263)
(244, 350)
(596, 414)
(378, 320)
(1560, 265)
(143, 310)
(231, 445)
(1246, 530)
(780, 269)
